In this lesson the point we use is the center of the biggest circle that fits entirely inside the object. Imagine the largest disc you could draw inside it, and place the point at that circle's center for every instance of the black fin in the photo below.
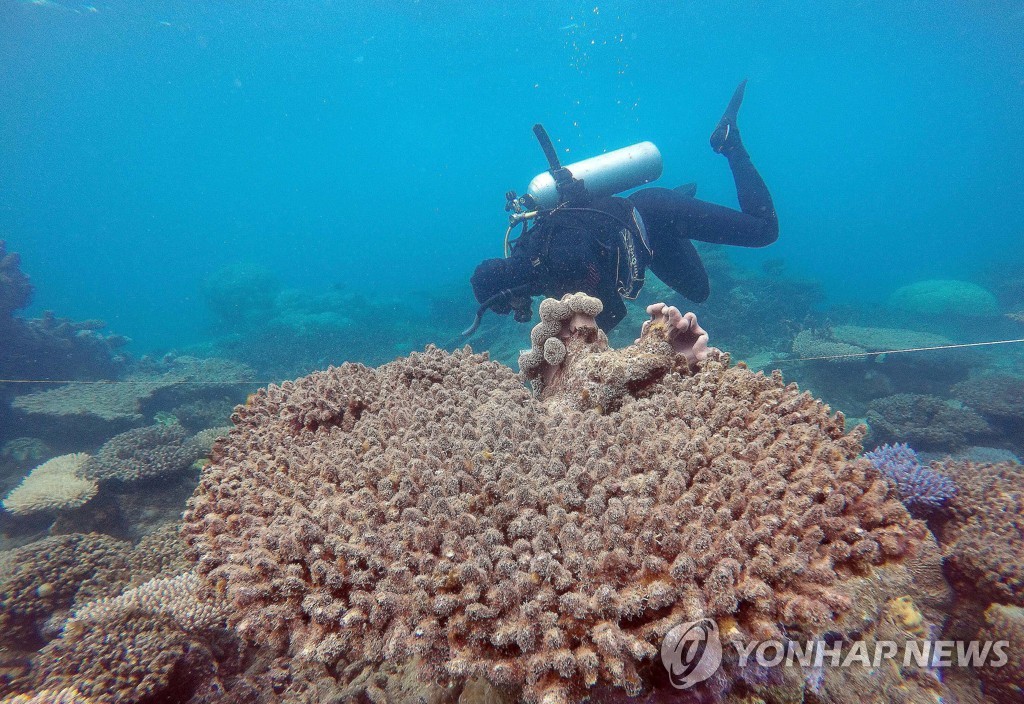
(687, 189)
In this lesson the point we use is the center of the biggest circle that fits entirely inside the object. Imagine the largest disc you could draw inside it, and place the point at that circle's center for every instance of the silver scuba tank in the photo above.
(603, 175)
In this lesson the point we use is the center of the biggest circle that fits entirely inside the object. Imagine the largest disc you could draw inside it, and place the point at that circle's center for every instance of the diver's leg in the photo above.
(677, 263)
(751, 191)
(673, 215)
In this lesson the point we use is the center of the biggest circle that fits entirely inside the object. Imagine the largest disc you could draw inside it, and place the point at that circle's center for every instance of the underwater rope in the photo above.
(908, 349)
(237, 382)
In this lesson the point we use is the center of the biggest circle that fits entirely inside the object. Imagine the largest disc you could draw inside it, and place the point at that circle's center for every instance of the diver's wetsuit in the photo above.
(582, 250)
(603, 247)
(673, 219)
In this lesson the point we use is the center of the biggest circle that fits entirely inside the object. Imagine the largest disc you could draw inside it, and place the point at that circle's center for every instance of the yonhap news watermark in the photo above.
(693, 652)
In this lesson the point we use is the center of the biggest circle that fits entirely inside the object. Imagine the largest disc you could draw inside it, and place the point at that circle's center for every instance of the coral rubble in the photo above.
(433, 509)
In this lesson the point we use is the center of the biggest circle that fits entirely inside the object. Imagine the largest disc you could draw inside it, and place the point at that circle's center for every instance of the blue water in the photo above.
(144, 146)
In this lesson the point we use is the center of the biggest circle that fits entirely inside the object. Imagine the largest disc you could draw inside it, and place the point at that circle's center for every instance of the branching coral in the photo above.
(52, 486)
(433, 508)
(160, 641)
(926, 422)
(68, 695)
(143, 453)
(921, 489)
(48, 577)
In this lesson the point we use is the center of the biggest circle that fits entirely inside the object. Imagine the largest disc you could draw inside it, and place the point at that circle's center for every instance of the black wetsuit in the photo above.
(584, 249)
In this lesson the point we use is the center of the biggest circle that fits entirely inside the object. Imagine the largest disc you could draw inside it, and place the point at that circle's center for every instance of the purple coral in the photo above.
(920, 488)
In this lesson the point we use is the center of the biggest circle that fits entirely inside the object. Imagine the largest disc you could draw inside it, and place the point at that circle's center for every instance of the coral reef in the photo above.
(57, 348)
(240, 293)
(999, 399)
(433, 508)
(839, 362)
(1005, 623)
(143, 453)
(25, 451)
(85, 413)
(160, 553)
(45, 579)
(176, 598)
(572, 317)
(926, 422)
(921, 489)
(984, 538)
(69, 695)
(813, 344)
(52, 486)
(15, 288)
(204, 413)
(945, 297)
(160, 641)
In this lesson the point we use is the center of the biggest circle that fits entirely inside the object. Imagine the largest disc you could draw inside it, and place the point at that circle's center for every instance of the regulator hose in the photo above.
(505, 293)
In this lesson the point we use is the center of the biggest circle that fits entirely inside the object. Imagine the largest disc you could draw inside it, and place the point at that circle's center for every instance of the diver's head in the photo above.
(493, 276)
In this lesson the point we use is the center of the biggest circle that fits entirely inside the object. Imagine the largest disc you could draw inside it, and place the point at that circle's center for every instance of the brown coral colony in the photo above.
(434, 507)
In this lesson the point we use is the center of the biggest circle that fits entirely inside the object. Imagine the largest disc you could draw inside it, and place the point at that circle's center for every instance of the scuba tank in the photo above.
(574, 185)
(602, 175)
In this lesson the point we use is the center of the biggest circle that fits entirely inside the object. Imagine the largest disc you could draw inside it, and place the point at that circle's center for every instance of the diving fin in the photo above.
(687, 189)
(726, 134)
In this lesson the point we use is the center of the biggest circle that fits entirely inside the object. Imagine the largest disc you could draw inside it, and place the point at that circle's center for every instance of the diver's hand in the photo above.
(726, 136)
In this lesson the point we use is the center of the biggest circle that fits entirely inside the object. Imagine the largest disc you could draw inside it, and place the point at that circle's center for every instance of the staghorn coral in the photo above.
(433, 508)
(926, 422)
(1004, 684)
(161, 641)
(52, 486)
(68, 695)
(46, 578)
(984, 538)
(143, 453)
(176, 598)
(921, 489)
(158, 554)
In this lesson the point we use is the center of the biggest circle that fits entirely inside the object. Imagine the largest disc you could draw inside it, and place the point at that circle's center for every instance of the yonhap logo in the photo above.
(691, 652)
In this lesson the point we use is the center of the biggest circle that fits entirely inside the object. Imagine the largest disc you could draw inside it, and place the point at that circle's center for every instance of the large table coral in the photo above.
(434, 508)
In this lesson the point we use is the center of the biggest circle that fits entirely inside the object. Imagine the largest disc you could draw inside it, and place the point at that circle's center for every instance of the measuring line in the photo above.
(239, 382)
(908, 349)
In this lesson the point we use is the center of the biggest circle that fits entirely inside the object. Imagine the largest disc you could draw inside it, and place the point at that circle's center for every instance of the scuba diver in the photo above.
(584, 238)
